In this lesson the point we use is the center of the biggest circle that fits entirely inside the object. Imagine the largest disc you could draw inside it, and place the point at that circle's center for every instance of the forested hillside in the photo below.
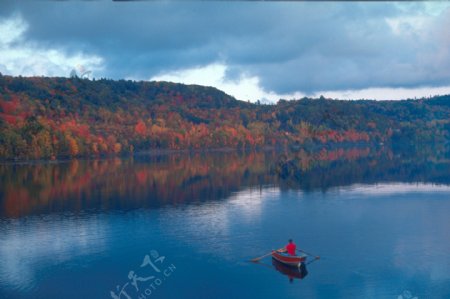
(46, 118)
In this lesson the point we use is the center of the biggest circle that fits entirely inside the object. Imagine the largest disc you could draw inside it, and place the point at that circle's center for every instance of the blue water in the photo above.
(380, 240)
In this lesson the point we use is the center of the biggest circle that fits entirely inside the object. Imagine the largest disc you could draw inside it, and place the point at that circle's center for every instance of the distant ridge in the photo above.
(47, 118)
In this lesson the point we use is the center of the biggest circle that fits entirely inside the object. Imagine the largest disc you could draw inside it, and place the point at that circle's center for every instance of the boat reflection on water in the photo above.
(290, 271)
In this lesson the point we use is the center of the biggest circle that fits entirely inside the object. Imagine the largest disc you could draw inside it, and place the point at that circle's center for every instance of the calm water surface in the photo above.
(186, 225)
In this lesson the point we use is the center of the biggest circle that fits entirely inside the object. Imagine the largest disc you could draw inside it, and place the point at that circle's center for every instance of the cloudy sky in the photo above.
(251, 50)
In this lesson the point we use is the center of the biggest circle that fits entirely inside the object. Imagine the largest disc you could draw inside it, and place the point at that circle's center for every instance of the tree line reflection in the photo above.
(121, 184)
(147, 181)
(324, 169)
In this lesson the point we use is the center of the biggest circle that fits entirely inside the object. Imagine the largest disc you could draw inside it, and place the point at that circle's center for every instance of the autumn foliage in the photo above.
(46, 118)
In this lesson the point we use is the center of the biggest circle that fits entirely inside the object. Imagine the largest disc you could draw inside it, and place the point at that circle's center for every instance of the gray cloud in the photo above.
(306, 47)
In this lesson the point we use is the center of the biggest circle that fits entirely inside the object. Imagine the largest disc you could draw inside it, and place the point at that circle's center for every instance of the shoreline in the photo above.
(146, 153)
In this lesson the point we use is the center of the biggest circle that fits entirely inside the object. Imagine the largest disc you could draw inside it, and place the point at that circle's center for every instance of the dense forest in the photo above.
(47, 118)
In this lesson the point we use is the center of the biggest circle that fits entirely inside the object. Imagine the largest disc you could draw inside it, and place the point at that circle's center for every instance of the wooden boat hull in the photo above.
(290, 260)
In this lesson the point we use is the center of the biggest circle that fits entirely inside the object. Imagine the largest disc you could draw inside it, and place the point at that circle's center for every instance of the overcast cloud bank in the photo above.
(252, 50)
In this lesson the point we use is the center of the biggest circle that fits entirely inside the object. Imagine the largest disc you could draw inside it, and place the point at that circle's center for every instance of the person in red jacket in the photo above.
(291, 247)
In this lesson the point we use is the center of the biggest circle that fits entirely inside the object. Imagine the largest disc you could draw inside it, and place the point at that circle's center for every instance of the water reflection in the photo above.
(30, 245)
(123, 184)
(371, 246)
(291, 272)
(326, 169)
(148, 181)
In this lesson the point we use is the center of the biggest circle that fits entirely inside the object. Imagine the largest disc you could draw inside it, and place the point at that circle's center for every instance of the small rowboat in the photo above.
(290, 260)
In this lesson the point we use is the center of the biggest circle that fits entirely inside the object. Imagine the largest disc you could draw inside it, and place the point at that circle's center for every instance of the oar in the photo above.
(316, 256)
(312, 261)
(261, 257)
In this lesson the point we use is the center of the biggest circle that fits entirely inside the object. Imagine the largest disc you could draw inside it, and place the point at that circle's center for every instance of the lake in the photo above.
(183, 225)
